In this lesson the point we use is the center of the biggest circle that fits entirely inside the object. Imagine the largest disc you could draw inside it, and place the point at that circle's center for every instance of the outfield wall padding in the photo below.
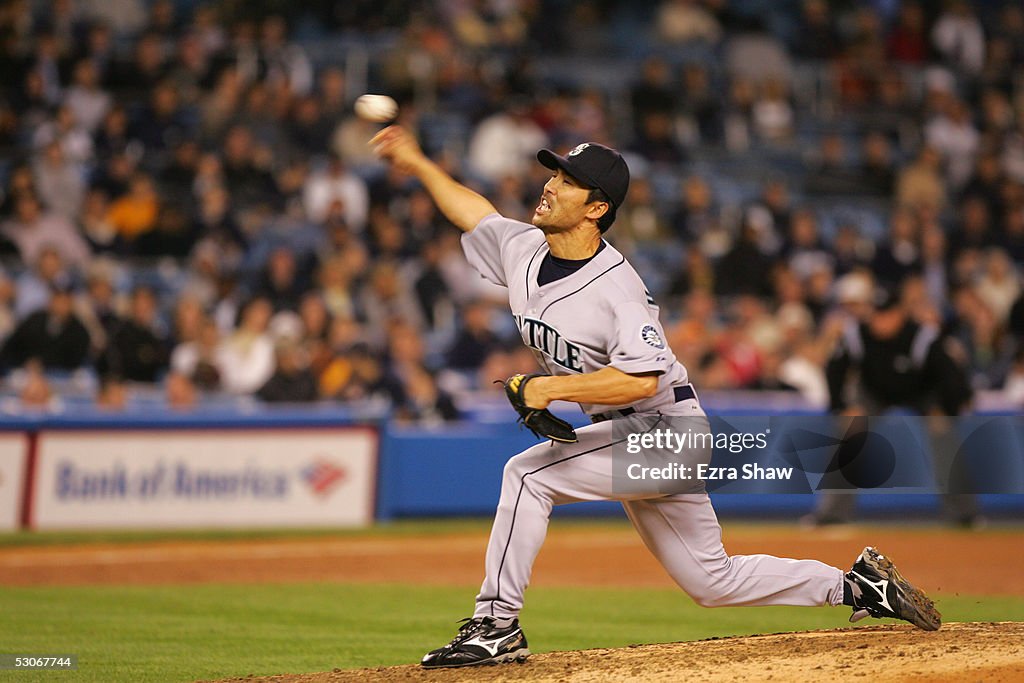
(449, 471)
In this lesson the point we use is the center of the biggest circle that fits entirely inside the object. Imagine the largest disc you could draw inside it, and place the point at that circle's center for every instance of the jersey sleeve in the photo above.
(497, 243)
(639, 342)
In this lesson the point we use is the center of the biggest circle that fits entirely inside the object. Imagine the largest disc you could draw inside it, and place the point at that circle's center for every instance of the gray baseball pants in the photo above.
(680, 529)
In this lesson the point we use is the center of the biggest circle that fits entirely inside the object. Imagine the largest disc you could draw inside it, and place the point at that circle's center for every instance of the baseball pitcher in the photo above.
(594, 329)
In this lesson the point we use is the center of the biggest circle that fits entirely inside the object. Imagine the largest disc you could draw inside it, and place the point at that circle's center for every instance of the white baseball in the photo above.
(376, 108)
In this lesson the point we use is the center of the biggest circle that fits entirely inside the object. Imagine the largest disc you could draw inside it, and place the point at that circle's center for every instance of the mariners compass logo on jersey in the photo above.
(538, 335)
(651, 337)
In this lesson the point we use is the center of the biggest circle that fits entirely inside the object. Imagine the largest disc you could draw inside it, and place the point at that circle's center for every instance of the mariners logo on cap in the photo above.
(577, 149)
(650, 336)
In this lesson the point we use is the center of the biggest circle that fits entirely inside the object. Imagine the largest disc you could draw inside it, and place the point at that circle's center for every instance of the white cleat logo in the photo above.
(880, 587)
(491, 646)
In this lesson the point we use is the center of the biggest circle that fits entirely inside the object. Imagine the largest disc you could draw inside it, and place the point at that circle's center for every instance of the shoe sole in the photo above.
(514, 657)
(922, 610)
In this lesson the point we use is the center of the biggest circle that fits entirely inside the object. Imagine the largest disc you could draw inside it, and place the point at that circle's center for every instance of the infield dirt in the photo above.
(958, 652)
(573, 555)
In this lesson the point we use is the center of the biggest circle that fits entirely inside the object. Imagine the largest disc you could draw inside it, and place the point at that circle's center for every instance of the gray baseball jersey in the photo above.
(599, 316)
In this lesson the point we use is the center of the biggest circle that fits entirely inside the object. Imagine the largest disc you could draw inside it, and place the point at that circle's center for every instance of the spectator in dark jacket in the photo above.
(282, 281)
(425, 403)
(137, 350)
(476, 340)
(292, 381)
(53, 336)
(745, 269)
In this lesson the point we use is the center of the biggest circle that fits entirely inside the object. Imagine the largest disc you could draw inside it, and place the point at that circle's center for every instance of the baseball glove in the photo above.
(540, 421)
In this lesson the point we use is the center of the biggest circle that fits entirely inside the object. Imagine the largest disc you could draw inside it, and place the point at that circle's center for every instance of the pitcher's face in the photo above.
(563, 203)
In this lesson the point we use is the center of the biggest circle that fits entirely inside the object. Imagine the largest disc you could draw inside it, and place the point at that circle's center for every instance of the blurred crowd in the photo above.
(189, 206)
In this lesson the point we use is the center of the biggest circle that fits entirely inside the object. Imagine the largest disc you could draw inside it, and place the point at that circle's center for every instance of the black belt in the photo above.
(682, 393)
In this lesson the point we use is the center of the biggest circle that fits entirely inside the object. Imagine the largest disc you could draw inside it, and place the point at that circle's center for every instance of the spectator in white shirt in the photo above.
(59, 181)
(506, 143)
(85, 97)
(960, 38)
(953, 134)
(64, 128)
(32, 231)
(245, 359)
(335, 183)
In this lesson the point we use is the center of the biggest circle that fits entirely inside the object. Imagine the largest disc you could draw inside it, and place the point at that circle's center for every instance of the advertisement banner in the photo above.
(13, 455)
(205, 478)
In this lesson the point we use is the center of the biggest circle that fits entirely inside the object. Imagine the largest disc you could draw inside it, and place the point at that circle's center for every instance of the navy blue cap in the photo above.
(886, 299)
(594, 165)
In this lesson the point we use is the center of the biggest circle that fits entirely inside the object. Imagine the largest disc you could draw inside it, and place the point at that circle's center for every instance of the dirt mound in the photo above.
(967, 651)
(608, 554)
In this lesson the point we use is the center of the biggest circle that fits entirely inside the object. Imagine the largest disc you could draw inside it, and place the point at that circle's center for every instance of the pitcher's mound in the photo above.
(958, 652)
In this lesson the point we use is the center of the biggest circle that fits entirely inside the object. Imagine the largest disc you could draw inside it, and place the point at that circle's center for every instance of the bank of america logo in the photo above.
(323, 476)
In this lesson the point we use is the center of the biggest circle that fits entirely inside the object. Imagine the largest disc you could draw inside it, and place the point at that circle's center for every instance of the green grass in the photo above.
(183, 633)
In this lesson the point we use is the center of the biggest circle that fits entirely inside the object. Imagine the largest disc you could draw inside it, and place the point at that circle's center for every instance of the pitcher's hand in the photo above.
(397, 145)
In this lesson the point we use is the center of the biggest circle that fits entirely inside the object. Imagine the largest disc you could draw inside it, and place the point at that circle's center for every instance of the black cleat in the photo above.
(480, 641)
(880, 591)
